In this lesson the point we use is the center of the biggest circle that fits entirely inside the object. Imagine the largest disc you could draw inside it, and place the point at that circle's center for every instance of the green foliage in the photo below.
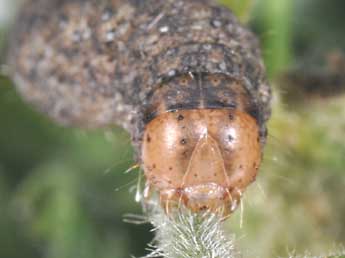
(241, 8)
(276, 17)
(63, 191)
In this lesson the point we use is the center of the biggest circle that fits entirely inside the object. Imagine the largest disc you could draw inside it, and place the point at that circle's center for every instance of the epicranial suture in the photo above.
(183, 77)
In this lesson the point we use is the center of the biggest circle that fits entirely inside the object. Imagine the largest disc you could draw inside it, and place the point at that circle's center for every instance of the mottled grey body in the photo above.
(94, 63)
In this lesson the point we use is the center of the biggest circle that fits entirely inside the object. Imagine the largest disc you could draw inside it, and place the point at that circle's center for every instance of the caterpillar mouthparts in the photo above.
(183, 77)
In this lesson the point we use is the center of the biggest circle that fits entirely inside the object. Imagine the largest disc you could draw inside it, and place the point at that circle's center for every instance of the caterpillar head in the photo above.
(201, 158)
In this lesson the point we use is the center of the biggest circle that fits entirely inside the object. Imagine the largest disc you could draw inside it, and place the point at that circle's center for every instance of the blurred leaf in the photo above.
(241, 8)
(276, 16)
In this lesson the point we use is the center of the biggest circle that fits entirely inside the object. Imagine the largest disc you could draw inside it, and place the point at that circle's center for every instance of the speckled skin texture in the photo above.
(94, 63)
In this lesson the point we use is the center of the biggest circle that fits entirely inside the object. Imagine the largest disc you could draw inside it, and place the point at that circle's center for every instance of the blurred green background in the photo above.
(63, 192)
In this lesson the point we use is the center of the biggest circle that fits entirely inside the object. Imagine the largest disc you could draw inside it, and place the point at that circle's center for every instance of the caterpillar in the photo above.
(183, 77)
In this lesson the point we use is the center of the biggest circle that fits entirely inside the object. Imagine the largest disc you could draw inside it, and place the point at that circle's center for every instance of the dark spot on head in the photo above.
(258, 139)
(170, 168)
(179, 191)
(241, 166)
(195, 175)
(154, 166)
(180, 117)
(148, 138)
(183, 141)
(185, 153)
(230, 137)
(231, 117)
(215, 174)
(169, 182)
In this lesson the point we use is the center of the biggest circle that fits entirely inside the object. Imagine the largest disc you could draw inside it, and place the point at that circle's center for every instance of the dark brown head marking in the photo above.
(180, 117)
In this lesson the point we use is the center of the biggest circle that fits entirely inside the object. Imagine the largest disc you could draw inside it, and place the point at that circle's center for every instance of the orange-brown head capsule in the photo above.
(202, 158)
